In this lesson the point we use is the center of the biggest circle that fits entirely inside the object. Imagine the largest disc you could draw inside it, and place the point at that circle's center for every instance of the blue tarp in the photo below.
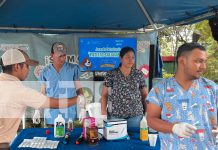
(159, 62)
(56, 15)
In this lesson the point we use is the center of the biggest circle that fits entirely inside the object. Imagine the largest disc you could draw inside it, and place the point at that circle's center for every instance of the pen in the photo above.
(66, 138)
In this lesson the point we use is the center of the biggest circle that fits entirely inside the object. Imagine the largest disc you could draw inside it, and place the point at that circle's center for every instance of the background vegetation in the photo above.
(171, 38)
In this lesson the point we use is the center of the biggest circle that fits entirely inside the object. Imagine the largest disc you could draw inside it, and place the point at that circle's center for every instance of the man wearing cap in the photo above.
(15, 97)
(60, 80)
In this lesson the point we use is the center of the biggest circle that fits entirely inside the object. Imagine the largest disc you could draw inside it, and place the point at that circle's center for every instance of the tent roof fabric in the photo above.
(98, 14)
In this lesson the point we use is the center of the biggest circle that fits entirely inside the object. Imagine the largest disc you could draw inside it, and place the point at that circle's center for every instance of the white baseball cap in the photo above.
(15, 56)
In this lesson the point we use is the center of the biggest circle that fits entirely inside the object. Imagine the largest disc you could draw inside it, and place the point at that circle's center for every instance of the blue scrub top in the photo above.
(196, 106)
(60, 85)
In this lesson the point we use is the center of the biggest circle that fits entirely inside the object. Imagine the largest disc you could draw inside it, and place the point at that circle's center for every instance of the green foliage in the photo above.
(77, 123)
(211, 45)
(212, 67)
(171, 38)
(167, 75)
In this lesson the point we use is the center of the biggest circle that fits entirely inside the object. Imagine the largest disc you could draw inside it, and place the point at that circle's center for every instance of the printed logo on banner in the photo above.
(86, 63)
(69, 58)
(145, 69)
(5, 47)
(142, 45)
(37, 71)
(88, 94)
(86, 75)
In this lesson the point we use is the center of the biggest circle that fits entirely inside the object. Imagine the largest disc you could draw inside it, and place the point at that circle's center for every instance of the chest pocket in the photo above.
(175, 106)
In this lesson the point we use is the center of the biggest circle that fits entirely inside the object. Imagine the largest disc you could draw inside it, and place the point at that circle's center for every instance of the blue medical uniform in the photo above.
(60, 85)
(196, 106)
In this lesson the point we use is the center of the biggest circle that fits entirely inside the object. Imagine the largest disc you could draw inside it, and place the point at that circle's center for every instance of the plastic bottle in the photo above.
(143, 130)
(59, 126)
(70, 125)
(152, 130)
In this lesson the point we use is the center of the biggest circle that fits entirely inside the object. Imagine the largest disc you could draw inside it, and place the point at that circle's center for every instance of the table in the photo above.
(133, 143)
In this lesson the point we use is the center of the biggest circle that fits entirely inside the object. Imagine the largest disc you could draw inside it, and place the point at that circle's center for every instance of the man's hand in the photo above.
(104, 117)
(36, 117)
(100, 120)
(184, 130)
(81, 107)
(81, 101)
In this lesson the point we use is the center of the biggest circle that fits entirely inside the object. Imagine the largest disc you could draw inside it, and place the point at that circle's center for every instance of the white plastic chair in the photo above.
(94, 110)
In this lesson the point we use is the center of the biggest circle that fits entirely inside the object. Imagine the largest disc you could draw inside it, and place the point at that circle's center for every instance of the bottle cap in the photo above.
(47, 132)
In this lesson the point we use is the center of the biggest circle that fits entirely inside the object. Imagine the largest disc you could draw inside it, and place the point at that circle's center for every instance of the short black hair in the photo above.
(188, 47)
(8, 69)
(125, 50)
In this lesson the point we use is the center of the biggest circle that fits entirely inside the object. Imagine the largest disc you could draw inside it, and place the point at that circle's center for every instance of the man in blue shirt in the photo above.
(60, 80)
(184, 108)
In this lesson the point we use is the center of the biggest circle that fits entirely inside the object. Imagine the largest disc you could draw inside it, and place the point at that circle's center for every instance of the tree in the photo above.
(171, 38)
(211, 45)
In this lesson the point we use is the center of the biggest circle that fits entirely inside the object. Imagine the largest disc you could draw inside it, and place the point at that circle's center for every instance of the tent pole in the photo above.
(186, 21)
(71, 30)
(146, 14)
(2, 3)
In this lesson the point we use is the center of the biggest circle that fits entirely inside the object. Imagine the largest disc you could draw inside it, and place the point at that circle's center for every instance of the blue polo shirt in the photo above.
(60, 85)
(196, 106)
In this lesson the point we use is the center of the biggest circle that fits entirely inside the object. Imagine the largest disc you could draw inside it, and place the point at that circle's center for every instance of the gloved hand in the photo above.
(82, 114)
(100, 120)
(36, 117)
(103, 117)
(81, 107)
(184, 130)
(215, 132)
(81, 101)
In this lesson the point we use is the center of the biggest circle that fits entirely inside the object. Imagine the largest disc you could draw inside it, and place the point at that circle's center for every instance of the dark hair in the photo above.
(8, 69)
(55, 43)
(125, 50)
(1, 63)
(188, 47)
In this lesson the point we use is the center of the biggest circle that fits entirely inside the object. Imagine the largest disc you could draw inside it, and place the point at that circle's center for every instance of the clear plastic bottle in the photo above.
(143, 129)
(70, 125)
(59, 126)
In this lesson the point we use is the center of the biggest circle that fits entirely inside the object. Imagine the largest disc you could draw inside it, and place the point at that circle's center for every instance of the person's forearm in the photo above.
(144, 94)
(145, 110)
(160, 125)
(144, 104)
(104, 106)
(61, 103)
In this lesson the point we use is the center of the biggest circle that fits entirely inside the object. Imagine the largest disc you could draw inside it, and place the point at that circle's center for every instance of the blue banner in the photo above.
(102, 54)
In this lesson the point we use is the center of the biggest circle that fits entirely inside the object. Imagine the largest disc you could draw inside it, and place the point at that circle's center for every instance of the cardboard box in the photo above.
(115, 129)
